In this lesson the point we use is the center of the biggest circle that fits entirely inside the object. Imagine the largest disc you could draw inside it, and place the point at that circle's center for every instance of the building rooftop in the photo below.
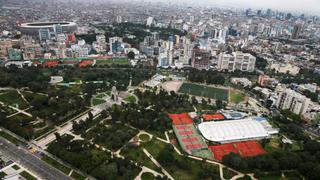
(236, 130)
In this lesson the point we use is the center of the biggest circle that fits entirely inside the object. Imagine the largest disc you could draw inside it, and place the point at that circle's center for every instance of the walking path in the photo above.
(11, 115)
(147, 170)
(157, 163)
(22, 96)
(16, 109)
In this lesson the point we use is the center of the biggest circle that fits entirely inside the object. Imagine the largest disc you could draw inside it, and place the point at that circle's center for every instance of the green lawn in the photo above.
(2, 175)
(227, 174)
(159, 134)
(137, 155)
(273, 145)
(111, 137)
(204, 91)
(131, 99)
(13, 98)
(100, 96)
(271, 176)
(10, 138)
(296, 146)
(15, 167)
(237, 97)
(144, 137)
(96, 101)
(21, 125)
(27, 176)
(147, 176)
(292, 175)
(77, 176)
(112, 62)
(56, 164)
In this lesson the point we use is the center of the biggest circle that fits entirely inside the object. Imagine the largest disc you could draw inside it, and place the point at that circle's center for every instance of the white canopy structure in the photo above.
(236, 130)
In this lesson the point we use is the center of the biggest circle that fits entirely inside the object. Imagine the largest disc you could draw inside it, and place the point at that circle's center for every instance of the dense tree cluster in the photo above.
(59, 104)
(20, 126)
(313, 96)
(140, 31)
(210, 77)
(304, 76)
(31, 77)
(87, 158)
(112, 137)
(216, 77)
(151, 112)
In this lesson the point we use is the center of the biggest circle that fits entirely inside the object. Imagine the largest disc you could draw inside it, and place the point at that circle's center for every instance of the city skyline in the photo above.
(309, 6)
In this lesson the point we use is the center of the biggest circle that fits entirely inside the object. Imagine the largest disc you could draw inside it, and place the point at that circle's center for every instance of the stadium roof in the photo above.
(236, 130)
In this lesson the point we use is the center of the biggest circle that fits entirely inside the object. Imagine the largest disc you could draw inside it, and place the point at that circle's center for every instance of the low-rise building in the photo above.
(241, 81)
(266, 81)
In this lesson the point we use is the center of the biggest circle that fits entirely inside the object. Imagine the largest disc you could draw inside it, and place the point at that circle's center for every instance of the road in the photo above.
(30, 162)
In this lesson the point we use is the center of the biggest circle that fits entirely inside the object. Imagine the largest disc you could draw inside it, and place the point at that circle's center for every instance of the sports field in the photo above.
(204, 91)
(244, 149)
(189, 138)
(237, 97)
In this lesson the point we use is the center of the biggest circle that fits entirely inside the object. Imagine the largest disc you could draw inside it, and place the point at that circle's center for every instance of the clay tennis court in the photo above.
(244, 149)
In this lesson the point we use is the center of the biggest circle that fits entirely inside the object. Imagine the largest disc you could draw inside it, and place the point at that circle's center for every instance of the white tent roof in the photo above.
(234, 130)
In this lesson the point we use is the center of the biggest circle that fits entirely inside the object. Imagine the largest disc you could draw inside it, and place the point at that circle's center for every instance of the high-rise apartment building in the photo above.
(44, 34)
(293, 101)
(200, 59)
(57, 29)
(236, 61)
(296, 31)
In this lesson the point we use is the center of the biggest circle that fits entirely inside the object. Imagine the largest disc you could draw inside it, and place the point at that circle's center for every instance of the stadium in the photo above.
(212, 136)
(33, 28)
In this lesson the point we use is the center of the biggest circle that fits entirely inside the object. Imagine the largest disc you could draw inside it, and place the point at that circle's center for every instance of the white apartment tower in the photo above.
(294, 101)
(236, 61)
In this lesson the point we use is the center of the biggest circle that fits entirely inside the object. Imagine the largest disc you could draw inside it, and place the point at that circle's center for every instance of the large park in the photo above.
(100, 123)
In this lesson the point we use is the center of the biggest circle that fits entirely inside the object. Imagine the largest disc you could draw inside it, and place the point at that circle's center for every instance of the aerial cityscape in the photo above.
(157, 90)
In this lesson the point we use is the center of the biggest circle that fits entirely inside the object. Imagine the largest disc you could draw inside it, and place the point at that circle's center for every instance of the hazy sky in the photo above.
(307, 6)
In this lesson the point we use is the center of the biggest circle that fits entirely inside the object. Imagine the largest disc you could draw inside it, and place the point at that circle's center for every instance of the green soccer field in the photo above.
(204, 91)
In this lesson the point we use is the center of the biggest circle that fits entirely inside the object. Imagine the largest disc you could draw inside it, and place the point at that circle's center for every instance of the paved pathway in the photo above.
(24, 110)
(146, 170)
(68, 126)
(157, 163)
(16, 109)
